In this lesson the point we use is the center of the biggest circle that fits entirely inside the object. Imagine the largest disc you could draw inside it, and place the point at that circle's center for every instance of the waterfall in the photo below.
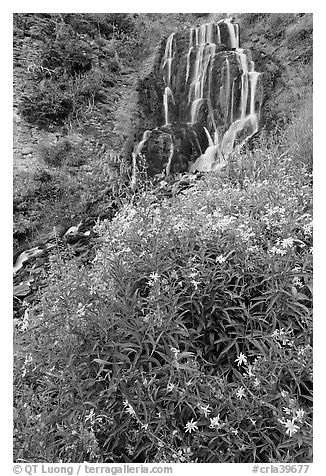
(244, 81)
(247, 120)
(253, 85)
(218, 34)
(167, 94)
(168, 166)
(215, 92)
(168, 58)
(233, 34)
(200, 89)
(167, 61)
(188, 62)
(210, 141)
(137, 150)
(232, 101)
(204, 56)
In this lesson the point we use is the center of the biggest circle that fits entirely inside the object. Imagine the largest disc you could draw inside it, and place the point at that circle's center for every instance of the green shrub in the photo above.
(277, 23)
(36, 25)
(248, 19)
(106, 24)
(46, 107)
(53, 103)
(72, 55)
(300, 31)
(298, 135)
(55, 154)
(68, 151)
(188, 339)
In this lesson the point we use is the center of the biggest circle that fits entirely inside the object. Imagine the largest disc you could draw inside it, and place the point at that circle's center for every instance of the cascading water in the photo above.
(248, 120)
(168, 166)
(167, 68)
(233, 30)
(211, 90)
(137, 150)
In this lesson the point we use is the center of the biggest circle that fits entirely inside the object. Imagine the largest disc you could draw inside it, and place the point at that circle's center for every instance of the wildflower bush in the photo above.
(189, 338)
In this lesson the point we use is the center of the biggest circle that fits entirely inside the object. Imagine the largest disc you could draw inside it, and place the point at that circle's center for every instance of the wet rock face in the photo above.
(203, 93)
(179, 144)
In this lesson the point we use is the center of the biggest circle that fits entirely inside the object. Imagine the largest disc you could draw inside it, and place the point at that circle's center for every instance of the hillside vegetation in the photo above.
(73, 80)
(188, 337)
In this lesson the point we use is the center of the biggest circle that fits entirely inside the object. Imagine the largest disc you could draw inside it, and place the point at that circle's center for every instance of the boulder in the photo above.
(21, 290)
(27, 150)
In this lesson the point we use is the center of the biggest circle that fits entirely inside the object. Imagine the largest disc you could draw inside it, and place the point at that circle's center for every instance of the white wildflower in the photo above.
(205, 409)
(175, 352)
(81, 310)
(220, 259)
(191, 426)
(215, 422)
(291, 428)
(287, 243)
(297, 282)
(154, 277)
(277, 251)
(274, 210)
(193, 273)
(307, 229)
(250, 372)
(129, 409)
(299, 415)
(241, 359)
(240, 393)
